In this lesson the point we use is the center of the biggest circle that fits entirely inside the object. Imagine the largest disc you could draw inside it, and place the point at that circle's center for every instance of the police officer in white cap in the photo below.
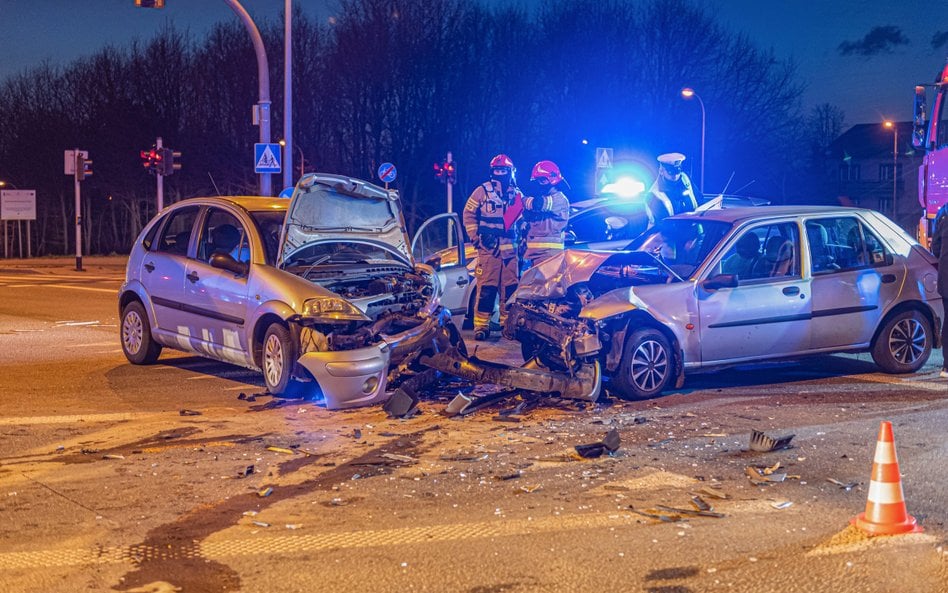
(672, 192)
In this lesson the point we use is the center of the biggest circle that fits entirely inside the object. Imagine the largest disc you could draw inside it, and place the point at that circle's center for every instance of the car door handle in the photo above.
(791, 290)
(462, 281)
(888, 278)
(193, 277)
(149, 267)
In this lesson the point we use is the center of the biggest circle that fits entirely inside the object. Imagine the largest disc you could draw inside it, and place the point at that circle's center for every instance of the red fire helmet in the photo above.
(546, 170)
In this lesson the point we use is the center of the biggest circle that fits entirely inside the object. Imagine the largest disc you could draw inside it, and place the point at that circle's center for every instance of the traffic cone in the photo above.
(885, 509)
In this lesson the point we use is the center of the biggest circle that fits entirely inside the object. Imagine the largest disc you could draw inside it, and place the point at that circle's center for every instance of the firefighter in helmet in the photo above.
(545, 214)
(672, 192)
(490, 218)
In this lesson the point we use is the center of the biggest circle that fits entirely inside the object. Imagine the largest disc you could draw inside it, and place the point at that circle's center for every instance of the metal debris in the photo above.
(845, 486)
(782, 505)
(689, 512)
(458, 405)
(757, 477)
(265, 492)
(708, 491)
(261, 524)
(530, 489)
(609, 444)
(400, 404)
(764, 443)
(245, 472)
(505, 477)
(188, 413)
(396, 457)
(112, 456)
(700, 504)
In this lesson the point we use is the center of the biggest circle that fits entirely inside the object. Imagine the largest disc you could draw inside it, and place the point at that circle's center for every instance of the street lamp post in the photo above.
(895, 164)
(688, 93)
(284, 144)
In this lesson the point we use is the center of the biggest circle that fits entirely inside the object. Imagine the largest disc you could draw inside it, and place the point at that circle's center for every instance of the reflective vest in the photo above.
(546, 218)
(484, 219)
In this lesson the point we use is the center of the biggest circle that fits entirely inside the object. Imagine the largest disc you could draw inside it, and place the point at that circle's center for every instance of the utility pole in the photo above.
(161, 180)
(288, 93)
(261, 114)
(79, 166)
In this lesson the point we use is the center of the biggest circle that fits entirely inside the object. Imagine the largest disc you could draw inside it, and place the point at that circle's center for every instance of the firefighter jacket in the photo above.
(667, 197)
(484, 220)
(546, 218)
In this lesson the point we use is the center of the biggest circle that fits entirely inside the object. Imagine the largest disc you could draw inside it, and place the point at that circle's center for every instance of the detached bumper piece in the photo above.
(585, 384)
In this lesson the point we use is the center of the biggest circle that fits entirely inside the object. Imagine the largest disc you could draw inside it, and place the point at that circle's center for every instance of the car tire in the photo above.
(647, 365)
(904, 343)
(137, 344)
(277, 359)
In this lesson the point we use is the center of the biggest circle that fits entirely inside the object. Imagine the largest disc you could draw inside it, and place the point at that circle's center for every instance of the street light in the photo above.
(6, 183)
(889, 124)
(688, 93)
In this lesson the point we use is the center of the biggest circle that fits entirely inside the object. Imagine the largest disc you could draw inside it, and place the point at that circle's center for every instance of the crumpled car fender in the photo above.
(615, 302)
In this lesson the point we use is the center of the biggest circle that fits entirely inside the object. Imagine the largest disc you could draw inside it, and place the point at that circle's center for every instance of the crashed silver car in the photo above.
(320, 292)
(729, 286)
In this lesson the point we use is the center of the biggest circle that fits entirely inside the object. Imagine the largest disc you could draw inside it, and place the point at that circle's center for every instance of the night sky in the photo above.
(865, 56)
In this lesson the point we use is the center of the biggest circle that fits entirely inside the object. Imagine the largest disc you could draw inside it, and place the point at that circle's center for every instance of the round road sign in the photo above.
(387, 172)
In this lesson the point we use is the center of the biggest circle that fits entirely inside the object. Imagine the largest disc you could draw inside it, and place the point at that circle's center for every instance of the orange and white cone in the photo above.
(885, 509)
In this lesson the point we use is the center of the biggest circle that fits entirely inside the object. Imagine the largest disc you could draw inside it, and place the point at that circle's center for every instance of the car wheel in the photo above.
(904, 343)
(647, 365)
(137, 343)
(279, 357)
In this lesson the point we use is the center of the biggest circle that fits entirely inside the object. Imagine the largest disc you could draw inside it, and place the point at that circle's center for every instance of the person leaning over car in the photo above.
(546, 214)
(490, 219)
(940, 249)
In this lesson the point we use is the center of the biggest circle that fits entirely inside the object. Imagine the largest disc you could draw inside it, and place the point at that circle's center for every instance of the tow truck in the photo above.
(930, 133)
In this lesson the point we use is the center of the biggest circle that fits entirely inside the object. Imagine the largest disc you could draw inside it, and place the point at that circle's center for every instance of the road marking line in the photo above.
(116, 417)
(919, 383)
(108, 290)
(253, 546)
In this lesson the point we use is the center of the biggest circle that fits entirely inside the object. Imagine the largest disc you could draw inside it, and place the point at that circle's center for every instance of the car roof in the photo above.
(250, 203)
(742, 214)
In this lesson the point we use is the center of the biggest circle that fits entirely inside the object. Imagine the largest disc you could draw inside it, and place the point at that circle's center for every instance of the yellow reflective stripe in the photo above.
(531, 245)
(506, 247)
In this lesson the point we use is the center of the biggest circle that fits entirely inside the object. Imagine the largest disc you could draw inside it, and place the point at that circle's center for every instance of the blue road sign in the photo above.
(266, 158)
(286, 193)
(387, 172)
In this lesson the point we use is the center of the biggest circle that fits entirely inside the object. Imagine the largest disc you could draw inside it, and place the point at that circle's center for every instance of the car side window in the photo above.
(223, 233)
(765, 252)
(843, 243)
(176, 233)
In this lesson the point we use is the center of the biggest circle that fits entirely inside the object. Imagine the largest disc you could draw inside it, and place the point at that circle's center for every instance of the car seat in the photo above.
(778, 258)
(818, 238)
(744, 260)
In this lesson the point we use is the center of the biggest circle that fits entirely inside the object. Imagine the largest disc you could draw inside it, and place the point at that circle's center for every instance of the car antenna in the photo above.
(729, 179)
(745, 185)
(214, 184)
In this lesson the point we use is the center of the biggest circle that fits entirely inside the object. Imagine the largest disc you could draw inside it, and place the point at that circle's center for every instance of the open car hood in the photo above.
(338, 208)
(552, 278)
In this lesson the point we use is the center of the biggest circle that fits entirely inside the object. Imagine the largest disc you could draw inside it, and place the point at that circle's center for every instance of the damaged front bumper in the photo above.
(359, 377)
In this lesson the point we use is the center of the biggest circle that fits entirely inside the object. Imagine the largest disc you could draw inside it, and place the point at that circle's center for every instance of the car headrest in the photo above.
(225, 236)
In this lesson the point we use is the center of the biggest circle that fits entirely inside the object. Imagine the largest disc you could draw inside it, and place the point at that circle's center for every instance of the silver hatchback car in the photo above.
(320, 292)
(730, 286)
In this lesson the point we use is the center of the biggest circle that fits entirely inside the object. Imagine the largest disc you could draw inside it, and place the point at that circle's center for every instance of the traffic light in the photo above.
(167, 166)
(150, 3)
(83, 167)
(150, 160)
(450, 172)
(439, 172)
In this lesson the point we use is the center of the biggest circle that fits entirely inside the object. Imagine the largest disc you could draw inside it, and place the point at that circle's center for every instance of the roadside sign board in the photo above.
(69, 160)
(603, 158)
(18, 204)
(387, 172)
(267, 158)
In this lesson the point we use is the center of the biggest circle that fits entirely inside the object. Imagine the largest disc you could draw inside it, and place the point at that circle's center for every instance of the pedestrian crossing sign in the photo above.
(603, 158)
(266, 158)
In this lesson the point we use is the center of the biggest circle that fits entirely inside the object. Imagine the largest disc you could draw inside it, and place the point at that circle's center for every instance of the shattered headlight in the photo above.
(333, 308)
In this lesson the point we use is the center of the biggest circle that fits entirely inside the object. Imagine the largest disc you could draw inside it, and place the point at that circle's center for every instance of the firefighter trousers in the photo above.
(496, 276)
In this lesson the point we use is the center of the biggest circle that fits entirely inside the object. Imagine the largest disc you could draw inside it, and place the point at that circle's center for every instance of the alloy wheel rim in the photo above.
(273, 360)
(907, 341)
(132, 330)
(649, 365)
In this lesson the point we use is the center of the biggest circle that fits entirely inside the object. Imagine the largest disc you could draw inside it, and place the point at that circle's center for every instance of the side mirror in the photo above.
(224, 261)
(720, 281)
(434, 261)
(921, 116)
(569, 238)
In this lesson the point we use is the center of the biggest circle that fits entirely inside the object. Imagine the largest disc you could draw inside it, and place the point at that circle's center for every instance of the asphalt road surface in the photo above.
(106, 486)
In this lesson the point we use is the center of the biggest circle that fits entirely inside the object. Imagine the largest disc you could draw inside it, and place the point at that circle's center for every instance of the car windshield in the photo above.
(681, 244)
(269, 223)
